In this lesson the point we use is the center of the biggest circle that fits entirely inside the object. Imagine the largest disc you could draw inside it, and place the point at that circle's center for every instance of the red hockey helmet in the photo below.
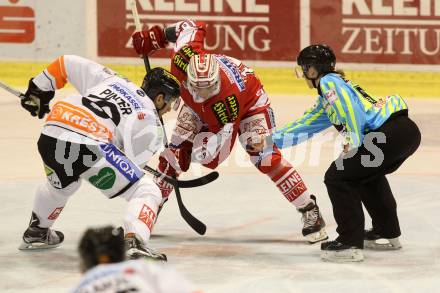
(203, 77)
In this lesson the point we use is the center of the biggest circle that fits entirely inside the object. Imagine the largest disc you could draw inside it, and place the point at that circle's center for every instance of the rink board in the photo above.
(277, 80)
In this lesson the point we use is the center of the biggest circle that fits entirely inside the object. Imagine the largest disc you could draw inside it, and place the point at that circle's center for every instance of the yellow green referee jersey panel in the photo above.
(345, 105)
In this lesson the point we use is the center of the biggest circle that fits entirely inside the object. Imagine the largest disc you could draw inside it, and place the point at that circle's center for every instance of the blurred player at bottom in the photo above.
(103, 263)
(104, 135)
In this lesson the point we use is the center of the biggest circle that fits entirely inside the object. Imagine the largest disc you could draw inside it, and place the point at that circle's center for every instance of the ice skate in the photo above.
(134, 249)
(314, 225)
(373, 240)
(334, 251)
(40, 238)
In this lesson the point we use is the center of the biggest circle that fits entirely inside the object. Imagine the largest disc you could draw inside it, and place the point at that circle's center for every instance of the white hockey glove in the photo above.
(208, 145)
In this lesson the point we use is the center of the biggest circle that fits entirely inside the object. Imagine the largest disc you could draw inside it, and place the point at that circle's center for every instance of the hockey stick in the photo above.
(195, 223)
(137, 23)
(12, 91)
(208, 178)
(173, 181)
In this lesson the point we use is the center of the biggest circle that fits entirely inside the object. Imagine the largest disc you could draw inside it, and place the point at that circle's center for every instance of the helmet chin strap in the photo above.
(161, 108)
(158, 109)
(313, 80)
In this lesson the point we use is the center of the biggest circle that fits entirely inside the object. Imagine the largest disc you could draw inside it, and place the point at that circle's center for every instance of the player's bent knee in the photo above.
(269, 162)
(66, 191)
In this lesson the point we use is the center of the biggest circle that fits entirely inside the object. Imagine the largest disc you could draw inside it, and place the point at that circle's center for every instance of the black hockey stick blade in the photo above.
(195, 223)
(208, 178)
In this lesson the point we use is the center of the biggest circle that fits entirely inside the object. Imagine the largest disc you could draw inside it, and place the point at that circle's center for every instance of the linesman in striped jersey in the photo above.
(371, 127)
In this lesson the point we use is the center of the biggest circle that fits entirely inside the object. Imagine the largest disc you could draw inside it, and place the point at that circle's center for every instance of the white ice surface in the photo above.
(253, 243)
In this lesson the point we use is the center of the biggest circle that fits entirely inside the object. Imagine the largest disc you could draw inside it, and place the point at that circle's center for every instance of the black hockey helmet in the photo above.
(161, 81)
(320, 56)
(101, 245)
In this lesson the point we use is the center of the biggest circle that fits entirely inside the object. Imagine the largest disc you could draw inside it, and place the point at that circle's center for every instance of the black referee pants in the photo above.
(364, 182)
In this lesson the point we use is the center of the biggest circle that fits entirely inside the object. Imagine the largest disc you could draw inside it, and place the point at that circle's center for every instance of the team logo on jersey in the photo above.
(118, 160)
(54, 215)
(232, 72)
(52, 177)
(127, 94)
(232, 104)
(147, 216)
(256, 124)
(220, 112)
(292, 186)
(140, 93)
(226, 112)
(78, 118)
(331, 96)
(104, 180)
(181, 59)
(381, 102)
(187, 51)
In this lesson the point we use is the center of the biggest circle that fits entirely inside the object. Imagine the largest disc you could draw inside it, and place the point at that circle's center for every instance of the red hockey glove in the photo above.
(173, 161)
(148, 41)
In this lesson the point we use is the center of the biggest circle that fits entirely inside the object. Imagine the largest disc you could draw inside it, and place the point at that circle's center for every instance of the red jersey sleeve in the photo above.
(190, 39)
(190, 33)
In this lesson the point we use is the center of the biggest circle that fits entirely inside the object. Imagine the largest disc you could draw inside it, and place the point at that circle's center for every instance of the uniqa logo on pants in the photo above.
(117, 159)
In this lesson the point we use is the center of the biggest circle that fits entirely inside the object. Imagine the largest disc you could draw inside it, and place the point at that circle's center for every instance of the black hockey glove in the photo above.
(37, 101)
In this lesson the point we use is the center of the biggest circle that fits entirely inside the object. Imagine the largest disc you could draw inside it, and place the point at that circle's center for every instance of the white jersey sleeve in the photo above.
(82, 73)
(109, 108)
(133, 276)
(189, 31)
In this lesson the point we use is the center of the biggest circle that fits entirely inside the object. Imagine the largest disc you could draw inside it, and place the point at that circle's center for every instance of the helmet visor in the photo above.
(299, 72)
(202, 93)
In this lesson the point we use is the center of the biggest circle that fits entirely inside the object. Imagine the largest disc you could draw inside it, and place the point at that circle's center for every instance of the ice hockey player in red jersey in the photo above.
(223, 98)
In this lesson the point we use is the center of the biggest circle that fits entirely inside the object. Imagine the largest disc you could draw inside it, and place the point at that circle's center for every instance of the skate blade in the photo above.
(138, 255)
(346, 255)
(391, 244)
(36, 246)
(317, 236)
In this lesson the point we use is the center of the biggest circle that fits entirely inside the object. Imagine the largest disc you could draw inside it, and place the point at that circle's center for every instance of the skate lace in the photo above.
(151, 251)
(310, 217)
(147, 250)
(45, 235)
(51, 237)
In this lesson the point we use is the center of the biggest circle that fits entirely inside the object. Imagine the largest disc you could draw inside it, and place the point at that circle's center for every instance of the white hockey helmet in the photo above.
(203, 77)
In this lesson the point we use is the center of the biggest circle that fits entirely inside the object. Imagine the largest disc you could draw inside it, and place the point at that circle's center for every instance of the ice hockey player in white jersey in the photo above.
(104, 135)
(102, 261)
